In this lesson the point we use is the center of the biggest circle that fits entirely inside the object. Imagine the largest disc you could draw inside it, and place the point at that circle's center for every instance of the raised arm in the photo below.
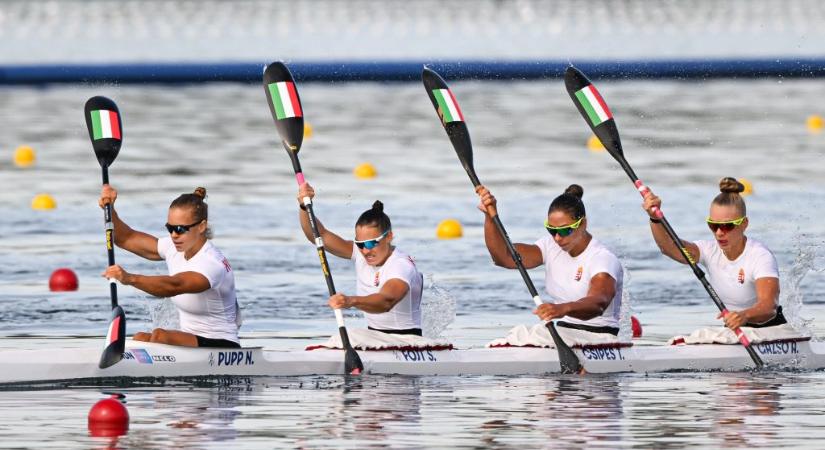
(496, 245)
(663, 241)
(137, 242)
(333, 243)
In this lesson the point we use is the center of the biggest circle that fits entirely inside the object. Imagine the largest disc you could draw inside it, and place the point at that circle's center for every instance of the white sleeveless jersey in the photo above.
(213, 313)
(370, 279)
(735, 281)
(567, 278)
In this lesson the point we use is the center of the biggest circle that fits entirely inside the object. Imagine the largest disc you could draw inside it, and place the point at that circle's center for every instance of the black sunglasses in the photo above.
(181, 229)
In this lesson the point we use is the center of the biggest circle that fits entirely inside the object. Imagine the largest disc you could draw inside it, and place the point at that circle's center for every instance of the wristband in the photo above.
(652, 220)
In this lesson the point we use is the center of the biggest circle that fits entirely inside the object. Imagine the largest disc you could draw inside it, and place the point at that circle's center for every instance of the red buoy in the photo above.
(636, 326)
(63, 279)
(108, 418)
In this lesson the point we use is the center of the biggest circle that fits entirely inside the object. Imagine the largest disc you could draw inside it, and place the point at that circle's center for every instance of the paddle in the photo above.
(106, 131)
(451, 117)
(592, 107)
(285, 105)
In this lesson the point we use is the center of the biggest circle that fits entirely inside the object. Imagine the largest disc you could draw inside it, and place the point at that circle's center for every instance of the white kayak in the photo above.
(145, 360)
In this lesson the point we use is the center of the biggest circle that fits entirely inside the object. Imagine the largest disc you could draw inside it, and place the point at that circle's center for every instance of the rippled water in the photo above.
(529, 145)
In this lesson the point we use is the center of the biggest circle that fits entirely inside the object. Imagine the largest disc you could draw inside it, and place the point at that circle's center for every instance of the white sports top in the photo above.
(213, 313)
(405, 314)
(567, 278)
(735, 281)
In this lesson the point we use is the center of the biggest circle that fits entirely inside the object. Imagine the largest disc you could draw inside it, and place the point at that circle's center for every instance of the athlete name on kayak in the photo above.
(232, 358)
(601, 354)
(777, 348)
(414, 355)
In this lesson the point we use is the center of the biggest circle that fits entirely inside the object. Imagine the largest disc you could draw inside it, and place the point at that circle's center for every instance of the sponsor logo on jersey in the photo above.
(375, 282)
(741, 278)
(579, 273)
(226, 265)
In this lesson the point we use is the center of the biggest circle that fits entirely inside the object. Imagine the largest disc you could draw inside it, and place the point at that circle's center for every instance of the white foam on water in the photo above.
(791, 290)
(437, 308)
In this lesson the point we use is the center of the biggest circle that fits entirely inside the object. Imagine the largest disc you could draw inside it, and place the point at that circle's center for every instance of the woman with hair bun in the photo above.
(583, 278)
(742, 270)
(389, 285)
(200, 281)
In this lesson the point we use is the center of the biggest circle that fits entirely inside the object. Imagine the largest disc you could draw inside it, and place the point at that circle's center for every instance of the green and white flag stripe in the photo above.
(593, 104)
(105, 124)
(285, 100)
(448, 106)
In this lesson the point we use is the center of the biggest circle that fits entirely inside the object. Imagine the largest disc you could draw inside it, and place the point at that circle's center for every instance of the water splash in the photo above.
(163, 313)
(791, 295)
(437, 308)
(625, 329)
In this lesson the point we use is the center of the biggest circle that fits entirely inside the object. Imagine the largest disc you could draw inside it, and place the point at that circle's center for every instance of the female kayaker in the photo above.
(742, 270)
(388, 286)
(200, 281)
(583, 278)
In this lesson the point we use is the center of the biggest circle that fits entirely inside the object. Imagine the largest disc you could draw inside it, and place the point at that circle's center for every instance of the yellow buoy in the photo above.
(748, 186)
(24, 156)
(364, 171)
(43, 202)
(449, 229)
(307, 130)
(594, 144)
(815, 123)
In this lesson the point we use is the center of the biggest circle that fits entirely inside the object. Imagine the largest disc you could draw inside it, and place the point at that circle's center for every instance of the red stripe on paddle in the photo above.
(457, 108)
(601, 101)
(114, 330)
(113, 120)
(293, 97)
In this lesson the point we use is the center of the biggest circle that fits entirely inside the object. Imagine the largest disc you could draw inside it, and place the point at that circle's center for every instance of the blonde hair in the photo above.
(730, 188)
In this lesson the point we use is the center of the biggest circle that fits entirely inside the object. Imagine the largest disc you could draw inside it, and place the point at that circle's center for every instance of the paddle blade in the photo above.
(567, 358)
(446, 106)
(115, 339)
(352, 362)
(593, 108)
(105, 128)
(285, 105)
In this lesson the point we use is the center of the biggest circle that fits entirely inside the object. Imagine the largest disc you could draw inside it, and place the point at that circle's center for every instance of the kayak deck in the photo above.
(147, 360)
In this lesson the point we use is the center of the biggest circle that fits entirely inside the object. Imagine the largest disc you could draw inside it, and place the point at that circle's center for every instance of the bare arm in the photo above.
(142, 244)
(496, 245)
(383, 301)
(599, 295)
(333, 243)
(663, 240)
(767, 294)
(160, 285)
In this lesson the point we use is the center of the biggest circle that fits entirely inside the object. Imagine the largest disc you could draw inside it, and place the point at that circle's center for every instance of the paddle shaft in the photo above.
(700, 274)
(568, 360)
(110, 228)
(319, 245)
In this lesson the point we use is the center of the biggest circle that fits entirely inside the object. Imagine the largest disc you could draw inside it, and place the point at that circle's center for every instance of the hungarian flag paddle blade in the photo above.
(450, 114)
(105, 128)
(115, 339)
(285, 105)
(593, 108)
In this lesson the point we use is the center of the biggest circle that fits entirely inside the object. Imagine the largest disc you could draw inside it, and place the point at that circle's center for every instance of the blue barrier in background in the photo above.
(409, 71)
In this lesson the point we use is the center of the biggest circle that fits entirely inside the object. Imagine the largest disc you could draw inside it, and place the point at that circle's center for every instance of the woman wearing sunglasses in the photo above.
(741, 269)
(388, 288)
(583, 278)
(200, 281)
